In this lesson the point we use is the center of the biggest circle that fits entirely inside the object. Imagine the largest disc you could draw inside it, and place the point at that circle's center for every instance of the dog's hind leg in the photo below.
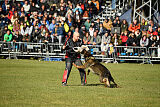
(106, 82)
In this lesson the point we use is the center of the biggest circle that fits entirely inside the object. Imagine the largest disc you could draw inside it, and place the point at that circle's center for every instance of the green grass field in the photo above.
(30, 83)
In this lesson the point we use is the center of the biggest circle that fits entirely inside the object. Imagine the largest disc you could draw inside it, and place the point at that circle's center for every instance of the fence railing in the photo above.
(52, 50)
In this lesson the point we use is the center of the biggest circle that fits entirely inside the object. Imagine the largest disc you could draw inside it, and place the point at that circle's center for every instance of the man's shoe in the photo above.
(83, 84)
(64, 84)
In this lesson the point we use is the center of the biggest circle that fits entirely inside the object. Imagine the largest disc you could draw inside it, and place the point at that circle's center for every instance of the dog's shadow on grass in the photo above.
(92, 85)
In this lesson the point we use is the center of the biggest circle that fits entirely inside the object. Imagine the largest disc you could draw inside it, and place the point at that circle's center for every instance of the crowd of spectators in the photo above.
(42, 22)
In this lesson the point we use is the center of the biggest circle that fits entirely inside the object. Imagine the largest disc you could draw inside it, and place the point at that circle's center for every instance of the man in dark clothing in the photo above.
(132, 40)
(72, 57)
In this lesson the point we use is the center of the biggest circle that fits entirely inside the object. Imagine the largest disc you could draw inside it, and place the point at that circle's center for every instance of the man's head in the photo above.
(75, 36)
(8, 32)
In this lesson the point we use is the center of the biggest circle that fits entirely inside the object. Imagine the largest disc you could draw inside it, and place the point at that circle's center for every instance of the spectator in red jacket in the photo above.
(124, 37)
(134, 26)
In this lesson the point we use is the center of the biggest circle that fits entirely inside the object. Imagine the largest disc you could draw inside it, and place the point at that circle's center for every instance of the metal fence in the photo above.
(51, 50)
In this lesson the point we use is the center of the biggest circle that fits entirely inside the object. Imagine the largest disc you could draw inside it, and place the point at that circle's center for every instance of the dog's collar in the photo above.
(90, 58)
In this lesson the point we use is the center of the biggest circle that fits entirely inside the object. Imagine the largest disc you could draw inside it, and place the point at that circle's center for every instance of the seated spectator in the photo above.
(36, 36)
(86, 39)
(96, 3)
(144, 42)
(4, 5)
(95, 40)
(11, 13)
(107, 24)
(87, 24)
(101, 30)
(134, 26)
(3, 17)
(138, 35)
(154, 41)
(91, 31)
(10, 26)
(17, 37)
(62, 12)
(106, 40)
(14, 17)
(22, 11)
(116, 22)
(132, 40)
(78, 7)
(144, 25)
(26, 32)
(97, 24)
(152, 26)
(33, 8)
(46, 38)
(26, 6)
(91, 8)
(77, 16)
(151, 32)
(124, 26)
(159, 31)
(16, 27)
(124, 38)
(26, 21)
(8, 36)
(116, 40)
(52, 26)
(58, 33)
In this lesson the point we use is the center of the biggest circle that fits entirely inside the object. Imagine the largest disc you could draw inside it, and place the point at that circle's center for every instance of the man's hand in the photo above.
(74, 65)
(64, 47)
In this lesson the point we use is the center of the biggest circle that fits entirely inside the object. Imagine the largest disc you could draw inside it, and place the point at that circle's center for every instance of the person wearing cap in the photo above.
(72, 57)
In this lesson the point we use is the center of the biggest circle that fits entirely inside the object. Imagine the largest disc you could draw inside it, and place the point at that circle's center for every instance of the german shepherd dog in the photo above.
(96, 67)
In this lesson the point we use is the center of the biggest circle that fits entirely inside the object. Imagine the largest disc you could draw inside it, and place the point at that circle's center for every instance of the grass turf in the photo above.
(30, 83)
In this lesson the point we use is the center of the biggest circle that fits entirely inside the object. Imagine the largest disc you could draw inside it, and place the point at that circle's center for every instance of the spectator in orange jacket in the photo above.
(134, 26)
